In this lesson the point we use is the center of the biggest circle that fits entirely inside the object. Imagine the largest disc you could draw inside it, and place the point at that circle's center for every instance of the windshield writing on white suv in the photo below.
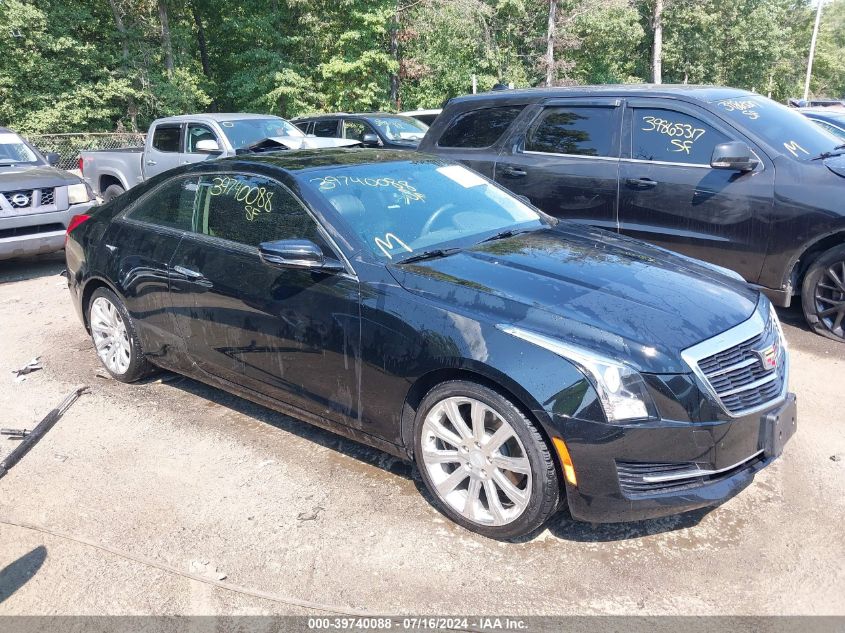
(405, 207)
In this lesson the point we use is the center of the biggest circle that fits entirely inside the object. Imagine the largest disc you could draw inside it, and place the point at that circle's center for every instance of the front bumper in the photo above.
(643, 471)
(31, 234)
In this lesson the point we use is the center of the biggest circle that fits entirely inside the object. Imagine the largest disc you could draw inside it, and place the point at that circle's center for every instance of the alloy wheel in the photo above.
(110, 336)
(476, 461)
(830, 298)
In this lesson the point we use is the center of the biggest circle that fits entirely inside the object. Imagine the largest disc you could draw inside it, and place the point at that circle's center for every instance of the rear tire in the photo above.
(116, 338)
(485, 464)
(823, 294)
(112, 192)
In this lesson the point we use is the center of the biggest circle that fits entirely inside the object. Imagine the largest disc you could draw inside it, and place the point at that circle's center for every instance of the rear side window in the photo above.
(171, 205)
(166, 138)
(250, 209)
(583, 131)
(670, 136)
(479, 128)
(327, 128)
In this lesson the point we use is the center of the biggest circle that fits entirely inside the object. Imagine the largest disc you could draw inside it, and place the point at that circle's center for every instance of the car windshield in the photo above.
(244, 133)
(782, 127)
(400, 128)
(400, 209)
(13, 150)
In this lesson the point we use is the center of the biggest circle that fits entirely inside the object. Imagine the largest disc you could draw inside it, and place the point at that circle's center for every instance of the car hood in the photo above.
(836, 165)
(614, 295)
(34, 177)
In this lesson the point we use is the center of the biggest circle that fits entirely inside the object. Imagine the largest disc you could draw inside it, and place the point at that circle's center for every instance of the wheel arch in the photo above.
(108, 179)
(800, 263)
(91, 285)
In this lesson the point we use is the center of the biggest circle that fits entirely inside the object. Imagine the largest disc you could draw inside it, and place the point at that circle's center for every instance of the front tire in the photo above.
(485, 464)
(112, 192)
(823, 294)
(115, 337)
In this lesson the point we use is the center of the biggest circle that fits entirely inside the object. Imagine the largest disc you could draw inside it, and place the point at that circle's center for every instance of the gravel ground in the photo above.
(182, 499)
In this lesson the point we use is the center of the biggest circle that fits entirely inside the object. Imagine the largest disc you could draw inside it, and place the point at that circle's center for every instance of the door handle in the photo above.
(641, 183)
(151, 162)
(193, 275)
(513, 172)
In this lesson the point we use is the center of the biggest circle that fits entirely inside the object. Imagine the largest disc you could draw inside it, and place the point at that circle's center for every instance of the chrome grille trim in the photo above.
(728, 369)
(698, 472)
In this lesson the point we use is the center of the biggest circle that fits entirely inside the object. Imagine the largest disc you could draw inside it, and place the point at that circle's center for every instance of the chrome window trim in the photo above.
(664, 162)
(698, 472)
(556, 155)
(746, 330)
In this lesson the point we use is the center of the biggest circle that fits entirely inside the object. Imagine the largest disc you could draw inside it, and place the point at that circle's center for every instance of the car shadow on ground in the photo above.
(25, 268)
(17, 573)
(305, 430)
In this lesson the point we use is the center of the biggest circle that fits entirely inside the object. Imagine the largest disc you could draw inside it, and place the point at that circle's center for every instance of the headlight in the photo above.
(77, 193)
(621, 389)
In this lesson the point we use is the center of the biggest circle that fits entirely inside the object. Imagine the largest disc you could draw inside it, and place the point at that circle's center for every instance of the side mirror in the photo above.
(300, 254)
(52, 159)
(735, 155)
(207, 146)
(370, 140)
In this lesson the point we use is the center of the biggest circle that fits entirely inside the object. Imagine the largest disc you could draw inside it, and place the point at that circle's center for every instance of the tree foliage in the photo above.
(100, 65)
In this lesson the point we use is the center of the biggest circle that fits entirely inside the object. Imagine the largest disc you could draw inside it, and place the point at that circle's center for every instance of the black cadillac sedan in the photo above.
(406, 302)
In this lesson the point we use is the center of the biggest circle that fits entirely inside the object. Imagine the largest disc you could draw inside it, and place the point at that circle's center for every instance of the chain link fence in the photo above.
(68, 146)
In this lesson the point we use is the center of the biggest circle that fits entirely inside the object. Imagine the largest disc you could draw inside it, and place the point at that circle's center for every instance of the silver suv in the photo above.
(37, 200)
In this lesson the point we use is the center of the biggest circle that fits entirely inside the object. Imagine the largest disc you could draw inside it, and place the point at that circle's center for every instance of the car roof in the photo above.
(219, 116)
(300, 160)
(705, 93)
(831, 111)
(415, 112)
(348, 115)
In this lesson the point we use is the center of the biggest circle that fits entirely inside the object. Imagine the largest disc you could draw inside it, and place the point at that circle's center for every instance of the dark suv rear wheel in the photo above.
(823, 294)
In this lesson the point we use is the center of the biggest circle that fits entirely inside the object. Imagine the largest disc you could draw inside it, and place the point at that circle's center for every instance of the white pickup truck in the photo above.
(190, 138)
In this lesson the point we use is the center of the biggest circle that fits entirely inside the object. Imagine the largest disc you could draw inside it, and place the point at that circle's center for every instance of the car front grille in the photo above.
(638, 479)
(745, 368)
(19, 199)
(48, 197)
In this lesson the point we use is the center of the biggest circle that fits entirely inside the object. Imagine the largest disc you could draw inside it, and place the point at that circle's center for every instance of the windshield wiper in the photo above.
(836, 152)
(503, 234)
(432, 254)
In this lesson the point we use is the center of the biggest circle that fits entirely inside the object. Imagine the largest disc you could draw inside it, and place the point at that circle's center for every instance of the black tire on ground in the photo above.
(823, 294)
(546, 488)
(112, 192)
(139, 366)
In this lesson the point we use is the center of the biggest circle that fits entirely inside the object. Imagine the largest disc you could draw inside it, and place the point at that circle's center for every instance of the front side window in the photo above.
(171, 205)
(583, 131)
(400, 129)
(13, 150)
(166, 138)
(326, 128)
(404, 207)
(479, 128)
(250, 209)
(355, 130)
(673, 137)
(197, 133)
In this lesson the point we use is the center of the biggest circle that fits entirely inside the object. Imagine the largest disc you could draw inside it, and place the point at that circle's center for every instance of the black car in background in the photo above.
(719, 174)
(411, 304)
(831, 119)
(374, 129)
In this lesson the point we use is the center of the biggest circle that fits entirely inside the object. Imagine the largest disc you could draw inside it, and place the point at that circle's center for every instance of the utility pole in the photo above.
(812, 50)
(657, 47)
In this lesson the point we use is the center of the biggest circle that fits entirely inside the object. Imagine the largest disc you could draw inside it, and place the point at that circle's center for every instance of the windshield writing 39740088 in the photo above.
(682, 135)
(407, 191)
(255, 199)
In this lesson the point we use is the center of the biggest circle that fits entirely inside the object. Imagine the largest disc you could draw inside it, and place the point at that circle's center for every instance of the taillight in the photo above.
(81, 163)
(75, 221)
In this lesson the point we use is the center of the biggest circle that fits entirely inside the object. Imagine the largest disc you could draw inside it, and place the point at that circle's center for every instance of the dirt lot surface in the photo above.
(170, 487)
